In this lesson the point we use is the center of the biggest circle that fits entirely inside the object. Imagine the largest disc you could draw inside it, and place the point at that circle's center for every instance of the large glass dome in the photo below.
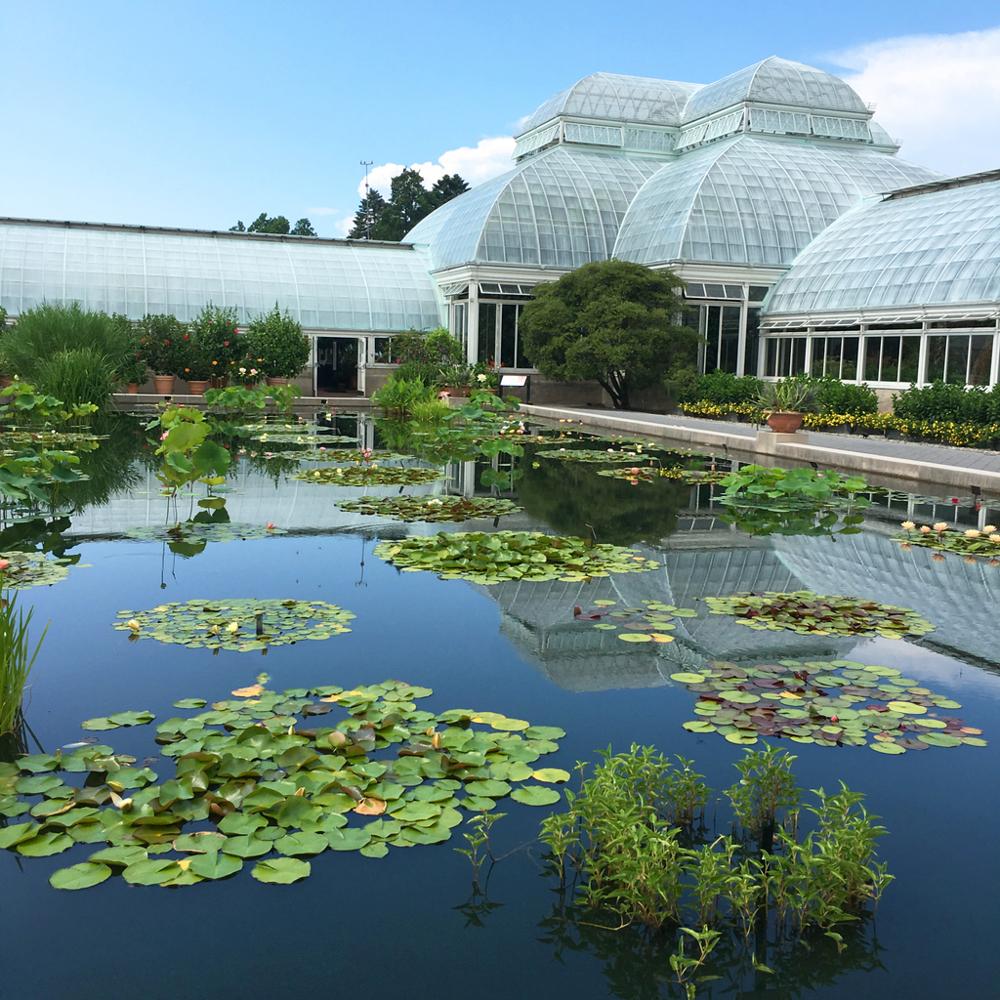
(776, 81)
(561, 208)
(936, 247)
(614, 97)
(324, 284)
(753, 200)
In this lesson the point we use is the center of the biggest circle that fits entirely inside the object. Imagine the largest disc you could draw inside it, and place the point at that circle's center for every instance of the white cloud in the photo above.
(488, 158)
(938, 95)
(344, 226)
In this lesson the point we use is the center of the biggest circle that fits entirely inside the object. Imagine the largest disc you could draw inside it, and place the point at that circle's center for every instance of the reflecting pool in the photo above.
(413, 922)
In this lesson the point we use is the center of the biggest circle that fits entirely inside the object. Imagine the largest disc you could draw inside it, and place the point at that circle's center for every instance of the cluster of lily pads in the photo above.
(32, 569)
(653, 473)
(349, 455)
(488, 558)
(816, 614)
(595, 455)
(303, 439)
(204, 531)
(266, 780)
(434, 509)
(370, 475)
(648, 622)
(826, 702)
(945, 538)
(242, 625)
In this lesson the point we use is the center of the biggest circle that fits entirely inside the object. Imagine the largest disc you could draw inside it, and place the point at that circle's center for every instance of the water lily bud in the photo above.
(233, 628)
(133, 624)
(4, 563)
(924, 530)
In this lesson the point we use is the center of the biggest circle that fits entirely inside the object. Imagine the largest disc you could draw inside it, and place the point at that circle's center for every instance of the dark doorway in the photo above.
(336, 365)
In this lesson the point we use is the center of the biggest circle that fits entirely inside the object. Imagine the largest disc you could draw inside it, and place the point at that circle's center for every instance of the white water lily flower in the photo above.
(908, 526)
(972, 533)
(233, 628)
(941, 526)
(995, 538)
(924, 530)
(989, 529)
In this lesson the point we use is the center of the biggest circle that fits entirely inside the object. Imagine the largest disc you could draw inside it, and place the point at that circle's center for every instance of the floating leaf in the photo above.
(81, 876)
(281, 871)
(550, 774)
(535, 795)
(215, 865)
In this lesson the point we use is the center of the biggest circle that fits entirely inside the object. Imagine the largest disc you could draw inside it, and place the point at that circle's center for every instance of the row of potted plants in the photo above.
(213, 350)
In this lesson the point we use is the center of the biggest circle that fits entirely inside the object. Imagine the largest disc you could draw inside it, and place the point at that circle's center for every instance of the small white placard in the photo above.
(513, 381)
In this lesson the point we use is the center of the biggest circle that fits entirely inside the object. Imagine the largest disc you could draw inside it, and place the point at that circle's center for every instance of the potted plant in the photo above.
(162, 342)
(455, 379)
(785, 403)
(198, 368)
(276, 346)
(216, 334)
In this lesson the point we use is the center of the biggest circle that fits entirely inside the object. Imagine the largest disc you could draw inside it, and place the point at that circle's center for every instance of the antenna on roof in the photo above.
(368, 216)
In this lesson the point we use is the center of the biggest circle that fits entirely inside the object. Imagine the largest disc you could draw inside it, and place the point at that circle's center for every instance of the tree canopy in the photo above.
(265, 223)
(611, 321)
(409, 201)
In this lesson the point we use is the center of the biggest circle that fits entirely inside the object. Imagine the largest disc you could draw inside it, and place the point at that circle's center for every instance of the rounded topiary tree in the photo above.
(276, 345)
(610, 321)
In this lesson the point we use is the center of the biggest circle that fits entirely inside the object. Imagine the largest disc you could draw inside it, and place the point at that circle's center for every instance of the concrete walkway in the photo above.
(965, 469)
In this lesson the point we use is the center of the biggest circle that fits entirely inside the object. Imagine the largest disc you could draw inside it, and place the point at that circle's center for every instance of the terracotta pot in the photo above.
(163, 384)
(197, 386)
(784, 422)
(132, 388)
(274, 380)
(456, 390)
(5, 380)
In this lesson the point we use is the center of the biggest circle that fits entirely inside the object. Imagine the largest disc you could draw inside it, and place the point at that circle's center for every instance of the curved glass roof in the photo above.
(937, 247)
(325, 285)
(776, 81)
(753, 199)
(617, 98)
(561, 208)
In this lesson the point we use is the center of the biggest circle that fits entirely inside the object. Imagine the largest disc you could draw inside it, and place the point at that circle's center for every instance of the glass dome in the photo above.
(936, 247)
(561, 208)
(753, 199)
(776, 81)
(324, 284)
(617, 98)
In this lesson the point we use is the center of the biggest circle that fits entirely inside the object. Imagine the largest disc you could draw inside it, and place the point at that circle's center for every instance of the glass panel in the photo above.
(713, 318)
(980, 360)
(521, 358)
(461, 327)
(734, 291)
(508, 335)
(487, 332)
(833, 345)
(757, 292)
(715, 291)
(937, 347)
(730, 338)
(958, 360)
(910, 361)
(383, 350)
(751, 346)
(771, 359)
(798, 356)
(849, 359)
(890, 359)
(818, 356)
(873, 351)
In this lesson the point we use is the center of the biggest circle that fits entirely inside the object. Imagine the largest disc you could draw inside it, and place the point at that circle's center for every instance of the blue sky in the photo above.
(196, 114)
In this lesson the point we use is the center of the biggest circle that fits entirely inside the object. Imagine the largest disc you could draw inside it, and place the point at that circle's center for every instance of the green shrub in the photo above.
(429, 357)
(834, 396)
(33, 347)
(276, 344)
(724, 387)
(164, 344)
(399, 396)
(216, 343)
(943, 401)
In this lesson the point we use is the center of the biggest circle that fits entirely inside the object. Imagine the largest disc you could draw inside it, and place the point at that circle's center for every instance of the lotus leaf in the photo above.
(369, 475)
(814, 614)
(233, 624)
(489, 558)
(433, 509)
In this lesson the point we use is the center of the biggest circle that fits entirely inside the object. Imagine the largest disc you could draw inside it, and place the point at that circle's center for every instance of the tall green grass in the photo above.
(69, 352)
(16, 659)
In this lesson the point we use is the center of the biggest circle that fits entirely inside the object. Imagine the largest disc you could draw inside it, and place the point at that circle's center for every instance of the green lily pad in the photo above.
(216, 865)
(281, 871)
(535, 795)
(81, 876)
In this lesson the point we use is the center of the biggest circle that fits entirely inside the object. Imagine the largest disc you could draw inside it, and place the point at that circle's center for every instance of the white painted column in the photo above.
(472, 324)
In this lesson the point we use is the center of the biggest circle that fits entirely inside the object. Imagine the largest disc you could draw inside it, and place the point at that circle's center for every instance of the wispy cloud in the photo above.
(938, 95)
(488, 158)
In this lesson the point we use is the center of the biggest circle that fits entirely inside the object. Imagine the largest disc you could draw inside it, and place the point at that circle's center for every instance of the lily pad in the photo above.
(281, 871)
(535, 795)
(81, 876)
(369, 475)
(432, 509)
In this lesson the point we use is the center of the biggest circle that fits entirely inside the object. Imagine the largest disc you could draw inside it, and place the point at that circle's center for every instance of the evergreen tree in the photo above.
(367, 217)
(303, 228)
(447, 188)
(265, 223)
(409, 202)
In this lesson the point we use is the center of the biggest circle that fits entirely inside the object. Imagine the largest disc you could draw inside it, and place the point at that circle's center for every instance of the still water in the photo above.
(410, 923)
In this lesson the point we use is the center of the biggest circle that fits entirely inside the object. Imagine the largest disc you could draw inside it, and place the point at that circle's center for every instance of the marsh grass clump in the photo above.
(632, 848)
(16, 658)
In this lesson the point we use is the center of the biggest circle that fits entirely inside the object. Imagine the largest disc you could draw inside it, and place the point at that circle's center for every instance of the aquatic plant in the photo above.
(943, 537)
(369, 475)
(400, 395)
(819, 614)
(241, 625)
(826, 702)
(187, 454)
(652, 473)
(634, 862)
(357, 455)
(190, 537)
(489, 558)
(33, 569)
(16, 657)
(273, 785)
(237, 399)
(647, 622)
(432, 509)
(596, 455)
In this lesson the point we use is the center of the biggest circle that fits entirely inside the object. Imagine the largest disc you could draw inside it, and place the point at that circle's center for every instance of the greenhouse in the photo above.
(904, 288)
